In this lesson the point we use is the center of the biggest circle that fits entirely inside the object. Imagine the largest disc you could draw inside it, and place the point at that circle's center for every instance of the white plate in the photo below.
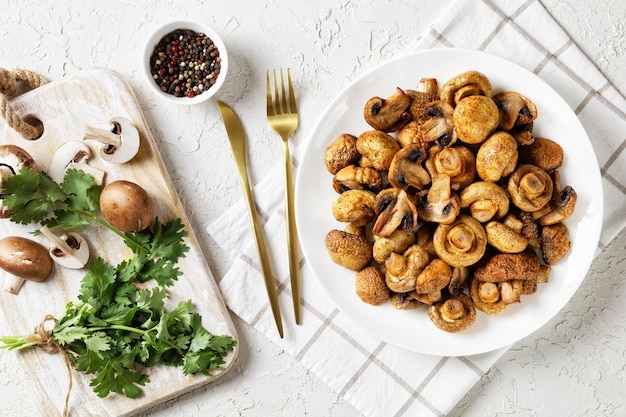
(413, 330)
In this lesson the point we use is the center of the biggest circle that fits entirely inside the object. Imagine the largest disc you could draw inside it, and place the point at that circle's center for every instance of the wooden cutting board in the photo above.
(93, 97)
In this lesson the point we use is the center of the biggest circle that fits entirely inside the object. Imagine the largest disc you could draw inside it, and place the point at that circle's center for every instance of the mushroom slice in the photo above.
(486, 297)
(395, 211)
(544, 153)
(377, 148)
(438, 125)
(370, 286)
(355, 206)
(23, 259)
(441, 205)
(427, 90)
(434, 277)
(454, 314)
(69, 250)
(475, 119)
(458, 280)
(120, 143)
(505, 239)
(390, 114)
(530, 188)
(530, 229)
(497, 157)
(348, 250)
(12, 159)
(458, 162)
(508, 266)
(555, 243)
(357, 178)
(477, 82)
(401, 271)
(515, 110)
(411, 134)
(406, 168)
(341, 153)
(73, 154)
(485, 200)
(461, 243)
(562, 204)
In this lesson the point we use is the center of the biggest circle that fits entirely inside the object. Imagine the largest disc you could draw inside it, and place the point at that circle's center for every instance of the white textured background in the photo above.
(573, 366)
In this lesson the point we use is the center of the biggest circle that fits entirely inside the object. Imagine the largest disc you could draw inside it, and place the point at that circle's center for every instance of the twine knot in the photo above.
(9, 82)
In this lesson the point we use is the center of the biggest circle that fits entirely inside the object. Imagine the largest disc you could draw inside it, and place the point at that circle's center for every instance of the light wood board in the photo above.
(93, 97)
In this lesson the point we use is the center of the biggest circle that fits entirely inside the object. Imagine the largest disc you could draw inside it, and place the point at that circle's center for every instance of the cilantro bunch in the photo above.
(115, 329)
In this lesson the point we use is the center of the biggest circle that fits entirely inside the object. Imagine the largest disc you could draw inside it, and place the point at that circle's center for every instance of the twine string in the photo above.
(9, 81)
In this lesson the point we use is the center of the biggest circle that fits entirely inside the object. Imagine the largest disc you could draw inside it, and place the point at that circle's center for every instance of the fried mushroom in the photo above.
(370, 286)
(505, 239)
(555, 243)
(454, 314)
(348, 250)
(438, 126)
(427, 91)
(465, 84)
(402, 270)
(398, 242)
(508, 266)
(440, 204)
(497, 157)
(406, 169)
(475, 119)
(396, 211)
(562, 204)
(515, 110)
(354, 177)
(341, 153)
(355, 206)
(432, 280)
(530, 187)
(486, 297)
(485, 200)
(543, 152)
(390, 114)
(377, 149)
(461, 243)
(458, 162)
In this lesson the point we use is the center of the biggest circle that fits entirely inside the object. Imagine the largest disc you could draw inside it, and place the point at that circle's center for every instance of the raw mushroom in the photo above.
(73, 154)
(69, 250)
(12, 159)
(23, 259)
(121, 142)
(127, 206)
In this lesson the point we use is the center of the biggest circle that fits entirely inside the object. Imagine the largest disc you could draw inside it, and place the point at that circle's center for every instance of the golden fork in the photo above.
(237, 139)
(282, 119)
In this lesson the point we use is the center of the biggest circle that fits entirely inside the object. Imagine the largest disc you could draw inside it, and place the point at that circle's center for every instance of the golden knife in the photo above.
(237, 140)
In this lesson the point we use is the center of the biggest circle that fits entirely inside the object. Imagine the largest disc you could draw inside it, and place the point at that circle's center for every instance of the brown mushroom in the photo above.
(454, 314)
(464, 84)
(402, 270)
(354, 177)
(23, 259)
(544, 153)
(355, 206)
(530, 229)
(341, 153)
(530, 188)
(438, 126)
(396, 211)
(377, 149)
(562, 204)
(434, 277)
(497, 157)
(406, 168)
(405, 301)
(390, 114)
(475, 119)
(348, 250)
(12, 159)
(458, 280)
(370, 286)
(411, 134)
(505, 239)
(461, 243)
(508, 266)
(127, 206)
(427, 91)
(458, 162)
(398, 242)
(555, 243)
(440, 204)
(515, 110)
(485, 200)
(486, 297)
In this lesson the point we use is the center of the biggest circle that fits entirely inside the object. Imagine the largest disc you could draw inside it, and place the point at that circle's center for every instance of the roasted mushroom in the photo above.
(430, 282)
(485, 200)
(458, 162)
(475, 119)
(405, 301)
(427, 91)
(530, 188)
(23, 259)
(377, 149)
(355, 206)
(486, 297)
(396, 211)
(555, 243)
(465, 84)
(370, 286)
(402, 270)
(12, 159)
(390, 114)
(440, 205)
(561, 205)
(505, 239)
(439, 124)
(406, 168)
(341, 153)
(515, 110)
(461, 243)
(454, 314)
(497, 157)
(411, 134)
(354, 177)
(508, 266)
(348, 250)
(544, 153)
(398, 242)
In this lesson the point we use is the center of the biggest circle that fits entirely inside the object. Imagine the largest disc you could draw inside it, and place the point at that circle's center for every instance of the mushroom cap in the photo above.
(497, 157)
(402, 270)
(370, 286)
(127, 206)
(458, 162)
(530, 187)
(475, 119)
(25, 258)
(485, 200)
(377, 148)
(504, 238)
(461, 243)
(341, 153)
(453, 314)
(555, 242)
(508, 266)
(354, 177)
(544, 153)
(477, 82)
(434, 277)
(388, 114)
(355, 206)
(486, 297)
(348, 250)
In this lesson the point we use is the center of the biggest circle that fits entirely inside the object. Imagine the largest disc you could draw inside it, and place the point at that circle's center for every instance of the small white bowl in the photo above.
(198, 27)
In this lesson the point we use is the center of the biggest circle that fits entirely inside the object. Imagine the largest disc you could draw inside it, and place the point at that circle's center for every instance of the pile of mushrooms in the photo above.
(450, 201)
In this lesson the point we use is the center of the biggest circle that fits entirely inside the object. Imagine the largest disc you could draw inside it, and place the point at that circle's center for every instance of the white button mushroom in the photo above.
(69, 250)
(73, 154)
(12, 159)
(23, 259)
(121, 143)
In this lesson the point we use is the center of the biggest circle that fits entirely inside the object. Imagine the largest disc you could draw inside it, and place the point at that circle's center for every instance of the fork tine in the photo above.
(292, 98)
(270, 103)
(285, 109)
(279, 109)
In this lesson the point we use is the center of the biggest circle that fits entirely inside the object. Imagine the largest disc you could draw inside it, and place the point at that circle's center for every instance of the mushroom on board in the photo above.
(127, 206)
(23, 259)
(121, 142)
(12, 159)
(73, 154)
(69, 250)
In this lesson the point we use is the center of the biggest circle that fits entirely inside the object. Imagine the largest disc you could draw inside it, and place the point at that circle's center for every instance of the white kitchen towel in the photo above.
(377, 378)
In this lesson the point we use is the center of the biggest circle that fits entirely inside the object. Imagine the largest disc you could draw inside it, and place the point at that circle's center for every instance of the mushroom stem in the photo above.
(102, 135)
(12, 283)
(56, 240)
